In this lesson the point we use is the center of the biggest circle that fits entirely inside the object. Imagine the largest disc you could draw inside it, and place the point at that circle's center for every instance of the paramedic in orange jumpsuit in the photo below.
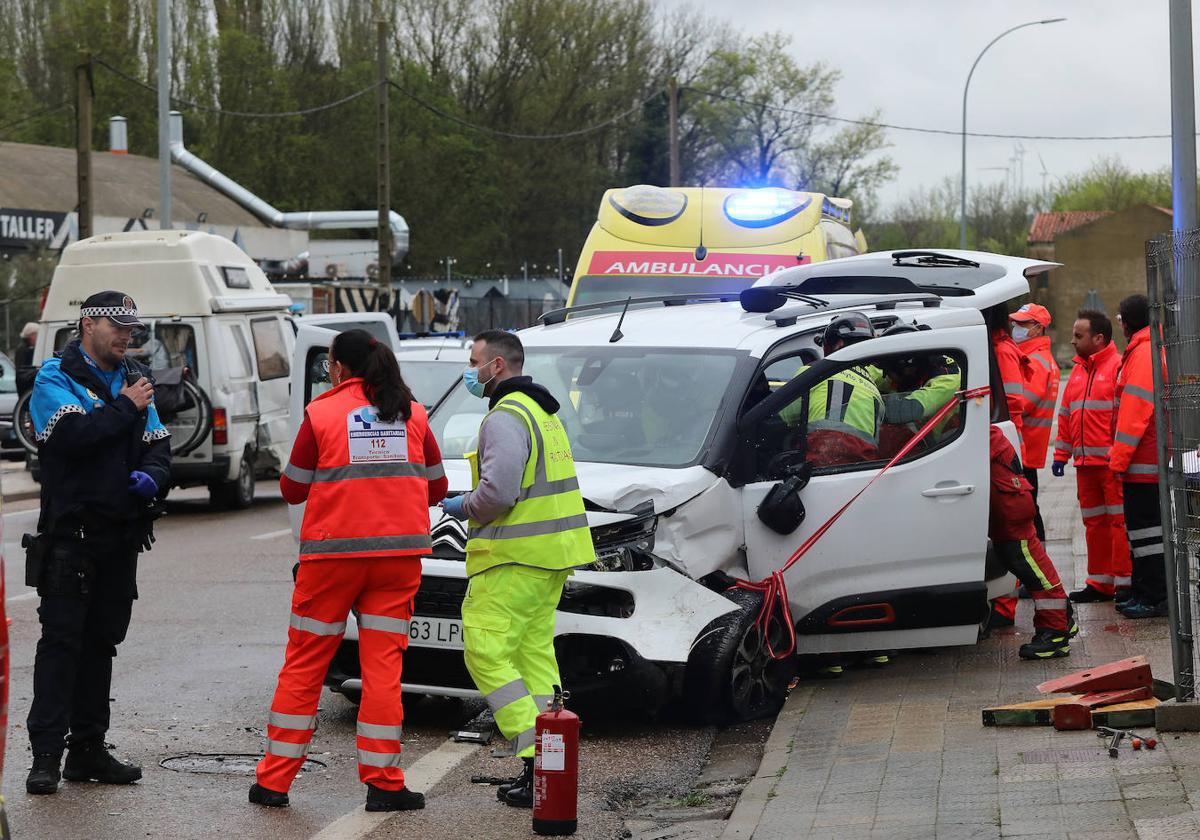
(1012, 365)
(369, 468)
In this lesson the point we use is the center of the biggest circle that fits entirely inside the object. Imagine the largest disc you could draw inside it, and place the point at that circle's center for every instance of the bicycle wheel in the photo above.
(190, 426)
(23, 424)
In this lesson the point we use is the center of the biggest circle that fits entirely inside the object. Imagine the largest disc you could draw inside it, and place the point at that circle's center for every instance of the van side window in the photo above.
(240, 359)
(62, 337)
(862, 415)
(179, 342)
(316, 374)
(270, 348)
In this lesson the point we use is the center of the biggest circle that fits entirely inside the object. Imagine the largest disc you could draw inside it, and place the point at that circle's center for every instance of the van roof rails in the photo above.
(770, 298)
(557, 316)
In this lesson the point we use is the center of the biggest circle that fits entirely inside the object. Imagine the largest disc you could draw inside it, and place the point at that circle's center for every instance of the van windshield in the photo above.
(619, 406)
(594, 288)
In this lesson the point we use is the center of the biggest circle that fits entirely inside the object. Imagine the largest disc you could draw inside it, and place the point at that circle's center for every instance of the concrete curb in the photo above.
(22, 495)
(743, 822)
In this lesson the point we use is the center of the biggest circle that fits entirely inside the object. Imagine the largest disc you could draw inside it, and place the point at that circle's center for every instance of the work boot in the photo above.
(1046, 644)
(260, 795)
(404, 799)
(1136, 609)
(525, 776)
(1089, 595)
(91, 762)
(43, 776)
(520, 795)
(1122, 597)
(1072, 624)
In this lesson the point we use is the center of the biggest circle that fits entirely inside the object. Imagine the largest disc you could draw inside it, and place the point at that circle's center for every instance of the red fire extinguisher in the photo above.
(556, 769)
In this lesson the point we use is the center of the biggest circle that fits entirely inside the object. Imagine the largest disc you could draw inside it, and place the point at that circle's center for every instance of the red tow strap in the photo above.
(774, 588)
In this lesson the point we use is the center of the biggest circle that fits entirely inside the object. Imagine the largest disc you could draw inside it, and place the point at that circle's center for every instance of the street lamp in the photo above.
(962, 228)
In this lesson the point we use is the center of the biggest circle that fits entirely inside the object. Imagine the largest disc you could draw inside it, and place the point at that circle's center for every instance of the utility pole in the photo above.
(384, 174)
(449, 262)
(673, 129)
(164, 116)
(83, 142)
(560, 266)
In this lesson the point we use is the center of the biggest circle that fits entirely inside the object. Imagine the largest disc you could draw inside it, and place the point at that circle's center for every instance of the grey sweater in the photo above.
(504, 448)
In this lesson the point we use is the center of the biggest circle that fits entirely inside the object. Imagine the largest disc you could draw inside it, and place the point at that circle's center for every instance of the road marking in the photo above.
(426, 772)
(270, 535)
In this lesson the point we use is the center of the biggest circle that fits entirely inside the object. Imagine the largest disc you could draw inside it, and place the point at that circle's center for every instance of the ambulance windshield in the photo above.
(600, 288)
(619, 406)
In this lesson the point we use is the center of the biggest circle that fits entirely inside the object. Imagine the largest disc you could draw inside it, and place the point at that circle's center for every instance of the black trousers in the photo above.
(1143, 522)
(87, 587)
(1031, 475)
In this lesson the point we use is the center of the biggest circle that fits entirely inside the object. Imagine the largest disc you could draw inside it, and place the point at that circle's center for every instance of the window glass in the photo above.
(173, 345)
(8, 375)
(270, 348)
(619, 405)
(62, 337)
(316, 374)
(239, 358)
(429, 380)
(863, 414)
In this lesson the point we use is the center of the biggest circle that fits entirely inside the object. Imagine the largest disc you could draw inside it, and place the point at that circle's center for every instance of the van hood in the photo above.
(618, 488)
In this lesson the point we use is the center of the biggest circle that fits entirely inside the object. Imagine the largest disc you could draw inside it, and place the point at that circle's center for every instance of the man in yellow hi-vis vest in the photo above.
(527, 530)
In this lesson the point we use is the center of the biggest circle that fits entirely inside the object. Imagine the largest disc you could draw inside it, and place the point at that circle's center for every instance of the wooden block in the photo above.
(1078, 714)
(1031, 713)
(1125, 673)
(1126, 715)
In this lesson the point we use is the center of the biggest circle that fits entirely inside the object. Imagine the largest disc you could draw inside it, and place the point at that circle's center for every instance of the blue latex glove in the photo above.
(454, 507)
(142, 485)
(1059, 468)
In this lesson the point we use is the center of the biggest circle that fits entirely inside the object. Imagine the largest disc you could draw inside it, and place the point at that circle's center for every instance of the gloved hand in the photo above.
(454, 506)
(1059, 468)
(142, 485)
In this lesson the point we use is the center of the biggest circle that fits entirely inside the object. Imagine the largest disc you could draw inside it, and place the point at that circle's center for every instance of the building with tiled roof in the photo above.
(1046, 226)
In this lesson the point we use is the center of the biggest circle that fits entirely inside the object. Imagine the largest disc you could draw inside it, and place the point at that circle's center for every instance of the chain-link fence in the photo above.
(1173, 281)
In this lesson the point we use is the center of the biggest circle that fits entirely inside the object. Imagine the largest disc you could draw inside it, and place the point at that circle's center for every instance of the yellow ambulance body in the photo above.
(692, 240)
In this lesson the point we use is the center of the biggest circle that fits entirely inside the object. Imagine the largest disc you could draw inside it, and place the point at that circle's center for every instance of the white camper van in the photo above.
(209, 308)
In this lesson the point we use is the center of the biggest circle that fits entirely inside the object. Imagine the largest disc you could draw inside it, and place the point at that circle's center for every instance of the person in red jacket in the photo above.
(369, 468)
(1041, 393)
(1012, 367)
(1085, 435)
(1134, 459)
(1014, 538)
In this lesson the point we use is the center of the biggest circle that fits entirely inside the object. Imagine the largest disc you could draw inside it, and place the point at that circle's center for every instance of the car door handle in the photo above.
(951, 490)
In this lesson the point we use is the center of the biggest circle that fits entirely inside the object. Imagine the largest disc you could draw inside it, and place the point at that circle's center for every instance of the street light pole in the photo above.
(962, 227)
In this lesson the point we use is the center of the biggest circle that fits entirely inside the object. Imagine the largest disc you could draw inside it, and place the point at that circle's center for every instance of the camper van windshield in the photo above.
(596, 288)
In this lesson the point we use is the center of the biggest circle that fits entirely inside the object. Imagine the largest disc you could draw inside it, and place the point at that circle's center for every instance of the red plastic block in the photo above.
(1126, 673)
(1078, 713)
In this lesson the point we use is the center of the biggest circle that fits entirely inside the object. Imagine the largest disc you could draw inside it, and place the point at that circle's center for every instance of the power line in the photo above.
(195, 106)
(434, 109)
(920, 130)
(40, 112)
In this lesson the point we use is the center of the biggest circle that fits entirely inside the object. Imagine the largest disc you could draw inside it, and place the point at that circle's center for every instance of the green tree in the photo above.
(1108, 184)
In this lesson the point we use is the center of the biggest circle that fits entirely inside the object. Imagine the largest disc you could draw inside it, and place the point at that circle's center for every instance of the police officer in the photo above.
(105, 457)
(527, 531)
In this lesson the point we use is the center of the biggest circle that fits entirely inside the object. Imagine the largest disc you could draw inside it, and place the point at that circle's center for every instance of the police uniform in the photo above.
(92, 444)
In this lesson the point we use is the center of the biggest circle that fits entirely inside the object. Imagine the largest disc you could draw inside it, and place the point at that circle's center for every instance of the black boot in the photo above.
(520, 795)
(1046, 644)
(43, 776)
(404, 799)
(91, 762)
(260, 795)
(525, 776)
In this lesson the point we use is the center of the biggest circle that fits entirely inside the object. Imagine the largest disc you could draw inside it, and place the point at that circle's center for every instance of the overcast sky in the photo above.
(1103, 71)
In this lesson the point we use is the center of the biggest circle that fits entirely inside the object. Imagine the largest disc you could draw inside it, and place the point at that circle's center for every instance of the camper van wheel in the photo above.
(239, 493)
(730, 676)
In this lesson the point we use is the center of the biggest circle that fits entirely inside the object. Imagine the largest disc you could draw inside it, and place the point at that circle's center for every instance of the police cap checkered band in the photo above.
(115, 305)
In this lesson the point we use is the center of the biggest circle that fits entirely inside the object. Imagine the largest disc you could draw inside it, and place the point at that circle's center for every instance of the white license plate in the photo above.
(435, 632)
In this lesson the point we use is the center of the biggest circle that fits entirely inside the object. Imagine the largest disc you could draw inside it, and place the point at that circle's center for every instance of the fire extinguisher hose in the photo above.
(775, 605)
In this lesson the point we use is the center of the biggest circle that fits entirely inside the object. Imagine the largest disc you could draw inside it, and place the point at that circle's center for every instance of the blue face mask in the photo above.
(471, 379)
(1020, 334)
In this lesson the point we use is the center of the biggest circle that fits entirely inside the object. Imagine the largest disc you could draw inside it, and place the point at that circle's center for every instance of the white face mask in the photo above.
(1020, 334)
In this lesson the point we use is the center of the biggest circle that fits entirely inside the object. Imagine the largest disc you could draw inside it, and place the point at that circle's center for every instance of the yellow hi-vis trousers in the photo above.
(508, 636)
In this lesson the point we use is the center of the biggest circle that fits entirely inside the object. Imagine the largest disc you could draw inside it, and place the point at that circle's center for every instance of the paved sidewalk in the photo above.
(17, 483)
(901, 753)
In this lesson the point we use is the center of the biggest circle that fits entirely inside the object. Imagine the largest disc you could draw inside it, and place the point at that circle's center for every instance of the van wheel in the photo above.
(237, 494)
(730, 676)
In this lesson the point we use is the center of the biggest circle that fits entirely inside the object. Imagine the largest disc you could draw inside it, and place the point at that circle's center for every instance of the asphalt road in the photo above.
(195, 677)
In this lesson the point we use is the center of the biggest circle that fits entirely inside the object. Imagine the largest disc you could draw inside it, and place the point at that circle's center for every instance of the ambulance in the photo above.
(705, 240)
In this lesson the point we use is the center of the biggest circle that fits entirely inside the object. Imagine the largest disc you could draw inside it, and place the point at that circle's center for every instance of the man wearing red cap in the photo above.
(1041, 375)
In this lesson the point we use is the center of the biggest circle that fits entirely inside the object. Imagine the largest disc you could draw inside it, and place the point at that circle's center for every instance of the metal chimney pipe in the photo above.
(118, 135)
(324, 219)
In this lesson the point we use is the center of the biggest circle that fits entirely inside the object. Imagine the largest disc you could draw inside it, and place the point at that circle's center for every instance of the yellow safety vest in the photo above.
(547, 527)
(848, 401)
